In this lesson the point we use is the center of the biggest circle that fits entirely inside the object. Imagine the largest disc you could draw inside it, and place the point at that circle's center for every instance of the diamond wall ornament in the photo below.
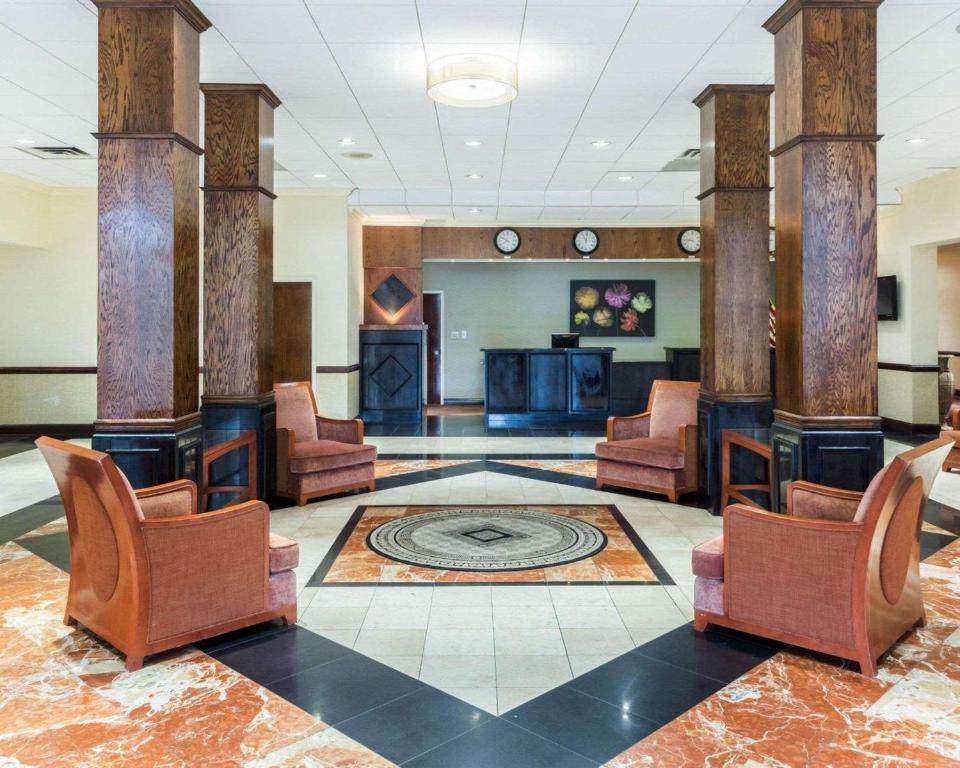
(392, 295)
(390, 376)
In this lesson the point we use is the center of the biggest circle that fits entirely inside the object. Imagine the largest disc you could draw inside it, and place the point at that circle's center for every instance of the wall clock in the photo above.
(689, 241)
(585, 241)
(507, 240)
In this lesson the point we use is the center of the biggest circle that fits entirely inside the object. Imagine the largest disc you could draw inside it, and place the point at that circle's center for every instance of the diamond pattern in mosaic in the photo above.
(390, 375)
(392, 295)
(487, 535)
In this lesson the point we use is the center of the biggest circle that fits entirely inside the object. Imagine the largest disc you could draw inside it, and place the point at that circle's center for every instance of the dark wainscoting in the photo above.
(632, 382)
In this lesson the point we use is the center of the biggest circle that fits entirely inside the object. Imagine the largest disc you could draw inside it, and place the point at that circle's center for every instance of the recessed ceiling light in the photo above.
(319, 175)
(347, 141)
(472, 80)
(600, 143)
(474, 176)
(26, 141)
(917, 140)
(474, 210)
(473, 143)
(356, 155)
(625, 178)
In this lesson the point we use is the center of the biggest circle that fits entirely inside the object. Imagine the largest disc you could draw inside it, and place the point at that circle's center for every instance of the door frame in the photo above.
(443, 347)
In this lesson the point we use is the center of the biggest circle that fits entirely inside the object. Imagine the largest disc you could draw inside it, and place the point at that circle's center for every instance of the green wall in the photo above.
(519, 304)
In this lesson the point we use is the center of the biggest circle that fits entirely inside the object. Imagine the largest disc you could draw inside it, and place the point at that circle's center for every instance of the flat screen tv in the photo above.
(565, 340)
(887, 298)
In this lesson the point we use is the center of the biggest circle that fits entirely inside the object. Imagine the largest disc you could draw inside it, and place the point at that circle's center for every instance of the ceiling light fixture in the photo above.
(472, 80)
(600, 143)
(26, 141)
(474, 176)
(319, 175)
(625, 178)
(346, 141)
(917, 140)
(473, 143)
(474, 210)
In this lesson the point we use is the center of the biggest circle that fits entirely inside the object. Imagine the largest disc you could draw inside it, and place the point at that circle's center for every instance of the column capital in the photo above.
(715, 89)
(240, 89)
(185, 8)
(792, 7)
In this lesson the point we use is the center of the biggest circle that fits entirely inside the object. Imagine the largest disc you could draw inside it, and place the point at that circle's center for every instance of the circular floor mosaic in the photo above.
(486, 539)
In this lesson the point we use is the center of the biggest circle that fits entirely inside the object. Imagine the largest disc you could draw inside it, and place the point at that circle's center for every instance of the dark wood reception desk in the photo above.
(547, 386)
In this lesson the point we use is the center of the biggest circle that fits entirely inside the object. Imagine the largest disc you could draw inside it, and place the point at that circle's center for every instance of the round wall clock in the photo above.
(507, 240)
(585, 241)
(689, 241)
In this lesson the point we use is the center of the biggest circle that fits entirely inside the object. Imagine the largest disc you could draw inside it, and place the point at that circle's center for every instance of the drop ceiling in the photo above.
(619, 70)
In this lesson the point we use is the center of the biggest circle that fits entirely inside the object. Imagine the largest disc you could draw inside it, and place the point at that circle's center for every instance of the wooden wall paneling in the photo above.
(293, 331)
(477, 243)
(826, 61)
(392, 247)
(148, 240)
(410, 314)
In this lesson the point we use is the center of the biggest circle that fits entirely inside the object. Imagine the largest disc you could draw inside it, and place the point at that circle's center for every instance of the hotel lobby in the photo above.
(479, 383)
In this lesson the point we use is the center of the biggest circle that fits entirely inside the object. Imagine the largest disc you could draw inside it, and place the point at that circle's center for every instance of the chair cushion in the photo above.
(662, 452)
(319, 455)
(284, 553)
(708, 558)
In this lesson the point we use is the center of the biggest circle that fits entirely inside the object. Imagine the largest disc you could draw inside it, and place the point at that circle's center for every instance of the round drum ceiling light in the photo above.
(472, 80)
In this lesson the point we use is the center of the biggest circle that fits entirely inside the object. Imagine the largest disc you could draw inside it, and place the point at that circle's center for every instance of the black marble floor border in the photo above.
(316, 579)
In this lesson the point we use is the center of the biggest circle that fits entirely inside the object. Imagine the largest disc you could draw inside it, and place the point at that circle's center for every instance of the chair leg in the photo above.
(134, 662)
(868, 665)
(672, 496)
(599, 484)
(68, 619)
(922, 621)
(700, 622)
(301, 499)
(372, 486)
(290, 616)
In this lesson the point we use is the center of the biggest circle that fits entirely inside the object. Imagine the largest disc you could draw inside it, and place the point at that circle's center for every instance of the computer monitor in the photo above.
(565, 340)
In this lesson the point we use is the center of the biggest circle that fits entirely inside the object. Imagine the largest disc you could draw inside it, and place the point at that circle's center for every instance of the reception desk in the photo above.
(547, 386)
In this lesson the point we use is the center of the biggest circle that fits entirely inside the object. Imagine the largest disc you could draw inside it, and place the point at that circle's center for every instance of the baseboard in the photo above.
(895, 425)
(53, 430)
(461, 401)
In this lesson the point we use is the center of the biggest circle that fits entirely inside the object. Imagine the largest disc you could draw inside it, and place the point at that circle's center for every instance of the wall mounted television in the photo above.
(887, 298)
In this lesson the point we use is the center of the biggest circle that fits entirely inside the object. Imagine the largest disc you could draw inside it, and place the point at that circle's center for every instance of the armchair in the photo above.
(839, 573)
(318, 456)
(147, 573)
(953, 459)
(656, 450)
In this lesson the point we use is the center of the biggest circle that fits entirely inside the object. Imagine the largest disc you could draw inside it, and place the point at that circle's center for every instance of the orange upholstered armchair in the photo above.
(318, 456)
(839, 573)
(147, 573)
(657, 450)
(953, 459)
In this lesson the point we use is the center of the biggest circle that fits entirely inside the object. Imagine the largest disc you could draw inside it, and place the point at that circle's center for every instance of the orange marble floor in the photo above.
(66, 700)
(579, 467)
(806, 711)
(619, 561)
(394, 467)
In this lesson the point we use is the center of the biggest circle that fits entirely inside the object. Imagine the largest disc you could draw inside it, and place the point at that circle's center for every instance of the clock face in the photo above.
(586, 241)
(507, 240)
(690, 241)
(773, 240)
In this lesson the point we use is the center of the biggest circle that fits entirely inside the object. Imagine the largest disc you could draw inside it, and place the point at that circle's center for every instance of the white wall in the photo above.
(908, 237)
(519, 304)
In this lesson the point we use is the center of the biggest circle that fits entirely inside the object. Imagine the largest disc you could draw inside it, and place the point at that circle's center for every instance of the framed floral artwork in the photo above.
(613, 307)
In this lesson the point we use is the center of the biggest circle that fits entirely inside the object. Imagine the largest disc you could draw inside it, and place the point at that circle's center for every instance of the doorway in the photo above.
(433, 319)
(292, 332)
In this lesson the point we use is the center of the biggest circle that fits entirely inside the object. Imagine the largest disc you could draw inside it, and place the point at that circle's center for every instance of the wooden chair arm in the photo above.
(209, 518)
(173, 499)
(628, 427)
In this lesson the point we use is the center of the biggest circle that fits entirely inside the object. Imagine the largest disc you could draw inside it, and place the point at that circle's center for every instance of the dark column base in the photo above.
(391, 379)
(225, 418)
(150, 455)
(714, 416)
(841, 457)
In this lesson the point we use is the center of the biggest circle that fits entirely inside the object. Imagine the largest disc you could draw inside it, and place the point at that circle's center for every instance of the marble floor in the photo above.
(551, 674)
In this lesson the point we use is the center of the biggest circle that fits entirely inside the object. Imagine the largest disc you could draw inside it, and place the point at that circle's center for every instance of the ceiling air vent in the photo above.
(55, 153)
(689, 160)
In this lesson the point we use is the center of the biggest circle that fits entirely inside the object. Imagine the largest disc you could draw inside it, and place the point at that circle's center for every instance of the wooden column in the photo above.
(238, 270)
(148, 251)
(734, 269)
(826, 427)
